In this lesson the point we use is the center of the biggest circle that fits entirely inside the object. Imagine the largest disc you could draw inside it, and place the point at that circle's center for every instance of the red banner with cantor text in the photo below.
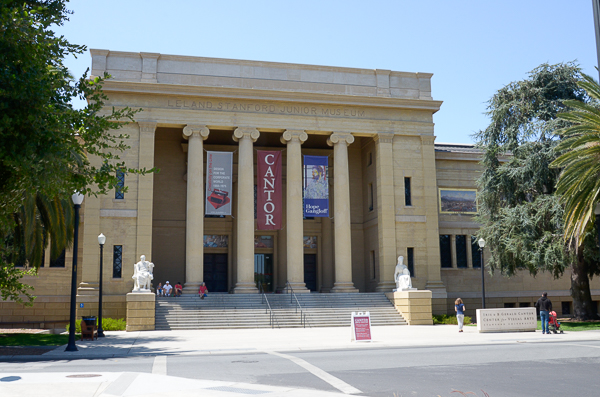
(268, 190)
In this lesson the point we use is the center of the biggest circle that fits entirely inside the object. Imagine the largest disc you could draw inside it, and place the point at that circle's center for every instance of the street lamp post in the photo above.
(77, 200)
(101, 241)
(481, 243)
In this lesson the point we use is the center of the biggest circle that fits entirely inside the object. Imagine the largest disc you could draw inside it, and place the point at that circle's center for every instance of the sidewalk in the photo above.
(224, 341)
(123, 344)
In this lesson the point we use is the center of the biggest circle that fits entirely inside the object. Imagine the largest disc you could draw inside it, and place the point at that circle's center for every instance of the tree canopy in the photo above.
(44, 141)
(579, 182)
(521, 214)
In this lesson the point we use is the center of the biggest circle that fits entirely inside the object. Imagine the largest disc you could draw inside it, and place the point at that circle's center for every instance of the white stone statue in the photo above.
(142, 275)
(402, 276)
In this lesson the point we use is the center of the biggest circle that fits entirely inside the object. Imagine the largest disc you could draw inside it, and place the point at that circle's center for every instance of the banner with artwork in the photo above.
(316, 186)
(219, 167)
(268, 190)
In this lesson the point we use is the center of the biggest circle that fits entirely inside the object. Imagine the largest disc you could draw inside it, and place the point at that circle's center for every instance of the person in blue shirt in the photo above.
(459, 308)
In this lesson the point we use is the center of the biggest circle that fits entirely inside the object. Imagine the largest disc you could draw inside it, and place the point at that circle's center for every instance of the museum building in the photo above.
(390, 189)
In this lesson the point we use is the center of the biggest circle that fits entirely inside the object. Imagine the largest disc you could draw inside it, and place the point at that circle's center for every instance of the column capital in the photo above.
(340, 137)
(246, 132)
(200, 131)
(294, 135)
(147, 126)
(383, 137)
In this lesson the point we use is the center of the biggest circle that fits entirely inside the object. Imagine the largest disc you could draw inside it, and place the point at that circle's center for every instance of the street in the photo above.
(513, 369)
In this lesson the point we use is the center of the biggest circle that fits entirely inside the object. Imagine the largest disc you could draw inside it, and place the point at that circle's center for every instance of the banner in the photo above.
(316, 186)
(218, 183)
(269, 191)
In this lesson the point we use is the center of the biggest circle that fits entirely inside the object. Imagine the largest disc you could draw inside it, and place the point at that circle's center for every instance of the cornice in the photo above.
(267, 95)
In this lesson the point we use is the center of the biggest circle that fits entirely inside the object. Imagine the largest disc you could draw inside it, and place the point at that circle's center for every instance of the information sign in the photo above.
(361, 326)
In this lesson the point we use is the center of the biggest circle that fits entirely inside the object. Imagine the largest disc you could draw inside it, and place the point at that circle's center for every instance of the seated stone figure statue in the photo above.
(142, 275)
(402, 276)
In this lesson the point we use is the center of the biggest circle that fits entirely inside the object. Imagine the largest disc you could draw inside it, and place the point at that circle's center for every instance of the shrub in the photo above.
(446, 319)
(108, 324)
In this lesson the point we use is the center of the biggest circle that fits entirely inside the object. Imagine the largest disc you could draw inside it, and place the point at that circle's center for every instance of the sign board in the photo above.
(519, 319)
(81, 305)
(361, 326)
(219, 167)
(269, 191)
(316, 186)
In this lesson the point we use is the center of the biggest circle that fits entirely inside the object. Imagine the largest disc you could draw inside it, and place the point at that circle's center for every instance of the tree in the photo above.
(579, 181)
(521, 214)
(44, 141)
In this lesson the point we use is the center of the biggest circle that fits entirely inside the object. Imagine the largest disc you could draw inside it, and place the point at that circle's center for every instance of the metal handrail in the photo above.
(292, 297)
(272, 318)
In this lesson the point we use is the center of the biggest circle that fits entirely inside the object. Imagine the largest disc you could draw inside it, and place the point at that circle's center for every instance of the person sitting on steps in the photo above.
(178, 289)
(203, 291)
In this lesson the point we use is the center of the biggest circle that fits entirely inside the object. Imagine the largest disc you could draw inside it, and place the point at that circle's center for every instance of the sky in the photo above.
(473, 48)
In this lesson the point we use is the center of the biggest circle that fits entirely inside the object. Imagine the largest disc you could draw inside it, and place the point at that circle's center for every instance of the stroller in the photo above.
(553, 324)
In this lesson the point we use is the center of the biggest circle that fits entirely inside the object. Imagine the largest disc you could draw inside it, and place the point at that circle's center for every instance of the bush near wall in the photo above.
(108, 324)
(446, 319)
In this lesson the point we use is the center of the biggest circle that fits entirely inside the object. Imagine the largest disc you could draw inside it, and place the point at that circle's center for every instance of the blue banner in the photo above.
(316, 186)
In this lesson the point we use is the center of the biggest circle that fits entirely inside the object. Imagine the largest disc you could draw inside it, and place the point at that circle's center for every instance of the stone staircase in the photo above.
(250, 311)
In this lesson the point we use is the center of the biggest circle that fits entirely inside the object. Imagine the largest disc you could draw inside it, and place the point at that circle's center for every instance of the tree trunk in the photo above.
(583, 307)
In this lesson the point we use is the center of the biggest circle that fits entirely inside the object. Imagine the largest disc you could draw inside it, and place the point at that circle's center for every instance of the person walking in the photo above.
(459, 308)
(545, 307)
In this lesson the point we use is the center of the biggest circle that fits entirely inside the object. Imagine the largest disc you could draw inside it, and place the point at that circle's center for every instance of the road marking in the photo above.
(120, 385)
(318, 372)
(160, 365)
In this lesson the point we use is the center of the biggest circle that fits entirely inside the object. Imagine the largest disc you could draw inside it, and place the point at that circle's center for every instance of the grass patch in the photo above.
(34, 339)
(108, 324)
(575, 325)
(446, 319)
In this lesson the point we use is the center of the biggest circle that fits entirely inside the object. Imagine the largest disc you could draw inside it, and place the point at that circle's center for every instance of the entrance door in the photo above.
(215, 272)
(310, 271)
(263, 271)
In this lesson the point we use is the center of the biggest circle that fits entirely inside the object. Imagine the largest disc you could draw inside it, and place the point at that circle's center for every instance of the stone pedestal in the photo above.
(415, 306)
(140, 311)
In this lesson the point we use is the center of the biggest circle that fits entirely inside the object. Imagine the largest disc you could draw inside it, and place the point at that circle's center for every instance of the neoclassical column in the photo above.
(245, 210)
(341, 214)
(294, 212)
(386, 210)
(194, 220)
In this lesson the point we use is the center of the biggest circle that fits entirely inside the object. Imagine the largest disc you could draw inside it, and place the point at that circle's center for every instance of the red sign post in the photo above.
(361, 326)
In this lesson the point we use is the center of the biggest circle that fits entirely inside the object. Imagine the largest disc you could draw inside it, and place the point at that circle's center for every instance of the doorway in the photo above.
(263, 271)
(310, 271)
(215, 272)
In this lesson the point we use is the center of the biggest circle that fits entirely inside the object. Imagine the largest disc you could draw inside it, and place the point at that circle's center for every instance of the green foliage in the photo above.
(521, 214)
(108, 324)
(33, 340)
(579, 182)
(44, 141)
(446, 319)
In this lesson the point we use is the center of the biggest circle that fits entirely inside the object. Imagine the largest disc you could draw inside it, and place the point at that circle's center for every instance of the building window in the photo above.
(475, 253)
(60, 261)
(410, 261)
(523, 304)
(509, 305)
(407, 193)
(461, 251)
(370, 198)
(120, 187)
(566, 308)
(117, 260)
(373, 265)
(445, 250)
(369, 159)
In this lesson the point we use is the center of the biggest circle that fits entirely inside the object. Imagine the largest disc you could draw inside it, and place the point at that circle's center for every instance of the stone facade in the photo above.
(385, 172)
